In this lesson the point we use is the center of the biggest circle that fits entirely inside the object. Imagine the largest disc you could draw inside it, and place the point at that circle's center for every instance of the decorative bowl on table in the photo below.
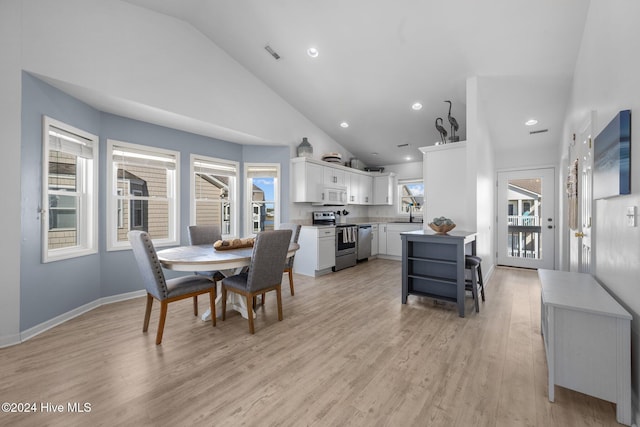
(442, 225)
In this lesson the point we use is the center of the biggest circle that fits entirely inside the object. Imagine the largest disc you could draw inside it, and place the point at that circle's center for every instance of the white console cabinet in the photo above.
(587, 338)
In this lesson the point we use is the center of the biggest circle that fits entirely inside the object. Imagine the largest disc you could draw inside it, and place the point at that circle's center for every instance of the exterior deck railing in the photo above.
(523, 236)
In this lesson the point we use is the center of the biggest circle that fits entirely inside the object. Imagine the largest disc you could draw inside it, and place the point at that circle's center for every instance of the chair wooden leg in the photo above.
(291, 282)
(163, 317)
(250, 314)
(195, 305)
(279, 297)
(224, 302)
(147, 313)
(212, 303)
(262, 299)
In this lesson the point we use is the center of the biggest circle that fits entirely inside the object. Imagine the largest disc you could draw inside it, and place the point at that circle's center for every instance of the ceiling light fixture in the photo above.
(374, 153)
(417, 106)
(408, 158)
(312, 52)
(344, 125)
(531, 122)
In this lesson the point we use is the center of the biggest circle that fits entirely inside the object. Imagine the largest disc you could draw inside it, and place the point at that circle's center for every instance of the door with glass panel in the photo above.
(526, 224)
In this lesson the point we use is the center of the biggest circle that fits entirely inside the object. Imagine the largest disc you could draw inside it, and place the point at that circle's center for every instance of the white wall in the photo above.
(606, 80)
(480, 157)
(10, 109)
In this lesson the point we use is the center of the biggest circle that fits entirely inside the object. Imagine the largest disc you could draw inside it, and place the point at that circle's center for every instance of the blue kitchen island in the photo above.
(433, 264)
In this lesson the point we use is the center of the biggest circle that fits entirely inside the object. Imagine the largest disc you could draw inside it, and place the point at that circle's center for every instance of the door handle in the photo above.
(579, 234)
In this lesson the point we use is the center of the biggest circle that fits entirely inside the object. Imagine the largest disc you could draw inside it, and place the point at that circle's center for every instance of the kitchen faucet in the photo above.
(410, 212)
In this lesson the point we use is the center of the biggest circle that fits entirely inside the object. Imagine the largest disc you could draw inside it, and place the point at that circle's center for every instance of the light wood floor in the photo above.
(347, 353)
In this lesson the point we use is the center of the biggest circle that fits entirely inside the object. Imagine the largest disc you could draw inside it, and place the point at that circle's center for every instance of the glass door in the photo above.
(526, 226)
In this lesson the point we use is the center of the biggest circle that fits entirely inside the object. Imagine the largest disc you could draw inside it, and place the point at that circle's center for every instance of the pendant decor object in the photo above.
(305, 149)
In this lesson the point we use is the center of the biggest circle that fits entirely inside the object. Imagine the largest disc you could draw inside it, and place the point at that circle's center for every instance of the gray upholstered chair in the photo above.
(206, 235)
(288, 265)
(167, 291)
(265, 272)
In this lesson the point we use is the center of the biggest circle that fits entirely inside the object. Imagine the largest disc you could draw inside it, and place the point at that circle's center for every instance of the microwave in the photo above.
(332, 196)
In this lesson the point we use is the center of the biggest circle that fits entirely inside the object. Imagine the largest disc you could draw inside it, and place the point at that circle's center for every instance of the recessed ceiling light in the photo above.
(408, 158)
(312, 52)
(344, 125)
(531, 122)
(417, 106)
(374, 154)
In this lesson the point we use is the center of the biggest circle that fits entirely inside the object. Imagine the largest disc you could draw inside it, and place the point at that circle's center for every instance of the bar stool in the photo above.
(472, 263)
(480, 279)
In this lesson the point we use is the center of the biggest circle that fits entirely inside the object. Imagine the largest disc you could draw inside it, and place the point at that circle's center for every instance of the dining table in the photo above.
(205, 258)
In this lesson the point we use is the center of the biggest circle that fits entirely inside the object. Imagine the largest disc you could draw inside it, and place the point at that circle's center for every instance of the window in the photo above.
(263, 196)
(142, 185)
(411, 195)
(214, 193)
(70, 188)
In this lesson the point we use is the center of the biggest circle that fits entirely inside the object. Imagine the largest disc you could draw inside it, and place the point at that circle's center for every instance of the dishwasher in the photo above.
(365, 237)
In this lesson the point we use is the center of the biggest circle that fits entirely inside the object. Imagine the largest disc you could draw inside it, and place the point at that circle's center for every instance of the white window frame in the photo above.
(248, 191)
(233, 190)
(86, 194)
(173, 195)
(401, 183)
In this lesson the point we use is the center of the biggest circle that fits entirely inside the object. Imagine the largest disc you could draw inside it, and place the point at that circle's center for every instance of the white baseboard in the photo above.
(9, 340)
(45, 326)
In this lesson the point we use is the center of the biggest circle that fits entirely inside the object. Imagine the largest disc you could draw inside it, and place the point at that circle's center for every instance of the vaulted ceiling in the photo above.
(377, 58)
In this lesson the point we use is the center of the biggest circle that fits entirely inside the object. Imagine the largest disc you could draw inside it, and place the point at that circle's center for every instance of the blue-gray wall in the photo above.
(49, 290)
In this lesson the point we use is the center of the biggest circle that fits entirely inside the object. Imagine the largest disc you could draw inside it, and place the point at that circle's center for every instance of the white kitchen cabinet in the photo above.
(333, 177)
(317, 251)
(394, 243)
(374, 239)
(382, 239)
(383, 186)
(365, 189)
(306, 184)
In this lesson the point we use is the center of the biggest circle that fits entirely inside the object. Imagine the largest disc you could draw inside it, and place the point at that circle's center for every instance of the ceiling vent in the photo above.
(272, 52)
(533, 132)
(402, 145)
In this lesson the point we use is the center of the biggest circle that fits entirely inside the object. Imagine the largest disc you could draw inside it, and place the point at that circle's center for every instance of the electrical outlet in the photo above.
(631, 216)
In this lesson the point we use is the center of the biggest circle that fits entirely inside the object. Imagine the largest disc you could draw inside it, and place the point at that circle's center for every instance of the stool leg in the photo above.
(474, 288)
(481, 281)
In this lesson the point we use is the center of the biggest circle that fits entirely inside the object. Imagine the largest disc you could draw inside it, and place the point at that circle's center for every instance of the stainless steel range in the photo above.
(346, 239)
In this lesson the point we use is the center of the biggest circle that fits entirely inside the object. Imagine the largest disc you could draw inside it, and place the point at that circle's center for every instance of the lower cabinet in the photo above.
(317, 251)
(374, 239)
(393, 244)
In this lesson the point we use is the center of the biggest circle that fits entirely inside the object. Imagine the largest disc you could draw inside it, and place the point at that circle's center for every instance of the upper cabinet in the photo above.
(309, 178)
(306, 185)
(334, 176)
(383, 186)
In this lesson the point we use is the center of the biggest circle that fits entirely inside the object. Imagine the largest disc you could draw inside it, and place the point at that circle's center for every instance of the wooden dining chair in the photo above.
(163, 290)
(206, 235)
(265, 272)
